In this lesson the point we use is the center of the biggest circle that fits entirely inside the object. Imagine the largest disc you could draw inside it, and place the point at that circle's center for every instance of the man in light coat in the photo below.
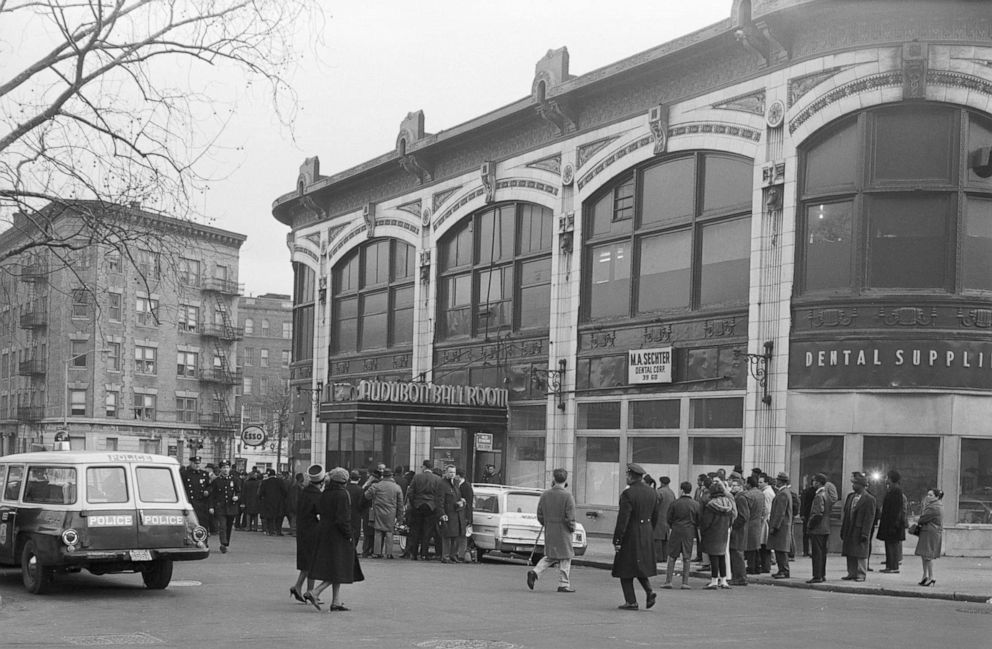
(556, 513)
(755, 524)
(765, 553)
(780, 525)
(855, 527)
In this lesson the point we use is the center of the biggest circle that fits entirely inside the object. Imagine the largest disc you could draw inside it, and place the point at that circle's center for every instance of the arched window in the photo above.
(249, 326)
(495, 272)
(673, 235)
(887, 206)
(372, 306)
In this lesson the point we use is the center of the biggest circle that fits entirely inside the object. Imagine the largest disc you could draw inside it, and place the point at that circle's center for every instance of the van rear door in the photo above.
(111, 519)
(161, 508)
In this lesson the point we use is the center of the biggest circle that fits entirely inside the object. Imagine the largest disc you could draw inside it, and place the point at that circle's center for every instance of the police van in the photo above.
(107, 512)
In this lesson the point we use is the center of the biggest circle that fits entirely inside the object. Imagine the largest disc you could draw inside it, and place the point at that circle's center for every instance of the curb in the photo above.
(826, 587)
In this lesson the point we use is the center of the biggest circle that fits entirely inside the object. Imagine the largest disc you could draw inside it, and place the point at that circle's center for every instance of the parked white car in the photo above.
(504, 519)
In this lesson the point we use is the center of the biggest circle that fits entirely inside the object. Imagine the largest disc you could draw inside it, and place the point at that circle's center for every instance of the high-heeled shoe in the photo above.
(930, 582)
(309, 598)
(295, 593)
(339, 607)
(923, 582)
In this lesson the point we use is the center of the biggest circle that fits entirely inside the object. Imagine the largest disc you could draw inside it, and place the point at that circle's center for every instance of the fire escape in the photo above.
(33, 318)
(221, 333)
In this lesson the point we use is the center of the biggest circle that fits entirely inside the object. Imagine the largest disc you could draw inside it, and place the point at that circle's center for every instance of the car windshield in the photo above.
(522, 503)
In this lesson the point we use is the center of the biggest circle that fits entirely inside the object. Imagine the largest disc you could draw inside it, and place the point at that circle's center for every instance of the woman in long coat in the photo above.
(334, 561)
(306, 528)
(714, 528)
(931, 533)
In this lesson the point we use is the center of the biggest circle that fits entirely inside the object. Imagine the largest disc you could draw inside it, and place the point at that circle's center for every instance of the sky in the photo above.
(381, 59)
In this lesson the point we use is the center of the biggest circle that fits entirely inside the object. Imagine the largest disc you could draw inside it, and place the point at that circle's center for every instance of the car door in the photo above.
(8, 516)
(110, 514)
(162, 510)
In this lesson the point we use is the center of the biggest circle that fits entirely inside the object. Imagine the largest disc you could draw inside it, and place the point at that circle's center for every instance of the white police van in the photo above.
(107, 512)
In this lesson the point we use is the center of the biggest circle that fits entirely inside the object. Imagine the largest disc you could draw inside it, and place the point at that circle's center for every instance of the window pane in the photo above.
(979, 135)
(525, 464)
(457, 305)
(665, 280)
(654, 414)
(975, 505)
(106, 485)
(822, 454)
(914, 457)
(597, 470)
(829, 243)
(403, 261)
(712, 453)
(612, 214)
(347, 325)
(496, 234)
(374, 318)
(528, 418)
(659, 456)
(50, 485)
(909, 240)
(830, 165)
(914, 144)
(536, 226)
(609, 290)
(376, 270)
(456, 249)
(725, 268)
(495, 308)
(977, 266)
(728, 183)
(155, 485)
(401, 328)
(716, 413)
(602, 372)
(535, 293)
(599, 415)
(668, 192)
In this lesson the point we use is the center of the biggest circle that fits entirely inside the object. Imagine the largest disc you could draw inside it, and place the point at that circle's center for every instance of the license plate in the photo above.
(141, 555)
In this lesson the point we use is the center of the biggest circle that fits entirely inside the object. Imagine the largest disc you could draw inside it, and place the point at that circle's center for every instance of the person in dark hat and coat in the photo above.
(196, 482)
(855, 528)
(225, 491)
(633, 538)
(892, 521)
(306, 528)
(334, 560)
(780, 525)
(271, 499)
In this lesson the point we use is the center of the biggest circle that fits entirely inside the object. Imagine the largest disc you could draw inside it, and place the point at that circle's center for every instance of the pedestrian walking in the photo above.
(892, 522)
(335, 561)
(633, 539)
(780, 525)
(805, 506)
(196, 483)
(225, 491)
(359, 508)
(683, 525)
(855, 529)
(714, 527)
(386, 500)
(930, 527)
(307, 520)
(556, 514)
(819, 528)
(765, 552)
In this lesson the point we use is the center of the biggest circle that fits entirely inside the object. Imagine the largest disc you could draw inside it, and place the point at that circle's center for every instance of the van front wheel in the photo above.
(158, 575)
(36, 577)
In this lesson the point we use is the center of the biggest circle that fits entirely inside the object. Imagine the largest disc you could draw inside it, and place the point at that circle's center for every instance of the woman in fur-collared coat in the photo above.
(335, 561)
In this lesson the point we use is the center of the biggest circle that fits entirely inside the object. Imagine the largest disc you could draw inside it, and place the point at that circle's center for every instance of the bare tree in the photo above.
(106, 109)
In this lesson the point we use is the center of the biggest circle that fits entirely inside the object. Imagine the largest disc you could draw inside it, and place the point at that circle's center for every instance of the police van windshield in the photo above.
(155, 485)
(106, 484)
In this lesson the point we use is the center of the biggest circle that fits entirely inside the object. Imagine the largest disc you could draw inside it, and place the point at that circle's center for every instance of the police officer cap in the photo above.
(224, 463)
(635, 468)
(194, 458)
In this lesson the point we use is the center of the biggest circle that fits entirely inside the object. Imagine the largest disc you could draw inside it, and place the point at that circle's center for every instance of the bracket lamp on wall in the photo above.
(758, 367)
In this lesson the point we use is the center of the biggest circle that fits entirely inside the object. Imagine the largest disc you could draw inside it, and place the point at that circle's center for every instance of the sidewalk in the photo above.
(963, 579)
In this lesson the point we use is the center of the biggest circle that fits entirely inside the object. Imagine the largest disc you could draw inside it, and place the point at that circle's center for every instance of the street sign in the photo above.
(253, 436)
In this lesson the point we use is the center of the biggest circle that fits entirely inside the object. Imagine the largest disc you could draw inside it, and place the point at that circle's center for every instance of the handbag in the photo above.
(914, 529)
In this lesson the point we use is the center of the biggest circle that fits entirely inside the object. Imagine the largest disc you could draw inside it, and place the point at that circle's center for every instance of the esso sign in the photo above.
(253, 436)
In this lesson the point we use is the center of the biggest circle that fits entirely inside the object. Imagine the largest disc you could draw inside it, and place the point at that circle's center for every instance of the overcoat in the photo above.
(780, 521)
(271, 497)
(468, 495)
(556, 512)
(683, 521)
(251, 485)
(357, 499)
(819, 513)
(738, 531)
(306, 525)
(334, 557)
(634, 532)
(756, 519)
(931, 530)
(665, 499)
(454, 508)
(892, 521)
(856, 524)
(224, 495)
(714, 525)
(387, 503)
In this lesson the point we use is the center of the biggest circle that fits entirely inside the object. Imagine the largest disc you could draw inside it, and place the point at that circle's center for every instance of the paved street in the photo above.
(242, 600)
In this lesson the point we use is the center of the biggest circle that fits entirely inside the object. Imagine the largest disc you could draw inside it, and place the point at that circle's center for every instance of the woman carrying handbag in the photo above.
(930, 530)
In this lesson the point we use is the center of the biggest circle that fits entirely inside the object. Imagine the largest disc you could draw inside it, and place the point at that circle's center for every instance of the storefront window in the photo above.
(598, 415)
(357, 446)
(716, 413)
(975, 505)
(659, 456)
(819, 454)
(597, 468)
(915, 458)
(713, 453)
(525, 467)
(663, 413)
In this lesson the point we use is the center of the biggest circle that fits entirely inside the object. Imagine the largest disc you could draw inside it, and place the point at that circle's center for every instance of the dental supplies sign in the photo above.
(649, 365)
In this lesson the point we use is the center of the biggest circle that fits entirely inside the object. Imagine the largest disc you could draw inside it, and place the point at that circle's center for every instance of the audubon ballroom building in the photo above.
(766, 243)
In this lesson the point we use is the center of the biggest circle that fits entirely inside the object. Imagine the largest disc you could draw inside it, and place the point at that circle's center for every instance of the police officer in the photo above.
(196, 481)
(225, 491)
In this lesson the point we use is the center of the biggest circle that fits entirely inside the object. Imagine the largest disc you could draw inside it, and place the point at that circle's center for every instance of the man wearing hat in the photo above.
(196, 482)
(780, 525)
(819, 527)
(633, 538)
(225, 491)
(855, 527)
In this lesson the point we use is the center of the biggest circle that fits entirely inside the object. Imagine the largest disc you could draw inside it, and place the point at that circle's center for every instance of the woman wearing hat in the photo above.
(931, 530)
(334, 560)
(306, 528)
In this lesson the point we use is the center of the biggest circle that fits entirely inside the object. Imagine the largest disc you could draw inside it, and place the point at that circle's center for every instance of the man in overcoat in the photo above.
(780, 525)
(665, 499)
(196, 482)
(452, 510)
(819, 527)
(633, 538)
(892, 521)
(225, 491)
(422, 497)
(755, 525)
(855, 528)
(272, 500)
(738, 534)
(556, 514)
(468, 495)
(683, 526)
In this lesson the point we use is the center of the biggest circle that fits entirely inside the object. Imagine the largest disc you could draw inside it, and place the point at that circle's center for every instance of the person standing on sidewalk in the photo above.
(780, 525)
(931, 530)
(855, 528)
(422, 497)
(892, 522)
(819, 528)
(633, 539)
(556, 513)
(738, 533)
(755, 524)
(765, 552)
(683, 524)
(714, 527)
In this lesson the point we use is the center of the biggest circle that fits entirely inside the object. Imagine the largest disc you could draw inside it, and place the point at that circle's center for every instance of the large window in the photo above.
(495, 272)
(916, 458)
(975, 504)
(373, 297)
(886, 204)
(671, 236)
(597, 469)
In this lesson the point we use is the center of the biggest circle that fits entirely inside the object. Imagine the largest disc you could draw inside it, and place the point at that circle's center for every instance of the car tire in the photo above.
(36, 576)
(158, 575)
(479, 553)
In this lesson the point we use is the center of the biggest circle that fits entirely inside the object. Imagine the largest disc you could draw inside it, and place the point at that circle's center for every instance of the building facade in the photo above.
(264, 400)
(767, 243)
(127, 346)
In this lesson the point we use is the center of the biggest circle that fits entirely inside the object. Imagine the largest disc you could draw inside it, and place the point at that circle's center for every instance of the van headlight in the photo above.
(70, 538)
(199, 534)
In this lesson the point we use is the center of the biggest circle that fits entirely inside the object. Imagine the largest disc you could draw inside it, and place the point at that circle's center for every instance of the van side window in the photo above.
(488, 504)
(155, 485)
(13, 487)
(3, 477)
(106, 484)
(51, 485)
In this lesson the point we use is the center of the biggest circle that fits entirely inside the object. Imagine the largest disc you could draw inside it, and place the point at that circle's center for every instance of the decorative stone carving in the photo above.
(567, 175)
(914, 69)
(368, 215)
(402, 361)
(720, 328)
(412, 132)
(370, 364)
(342, 367)
(549, 73)
(556, 112)
(601, 339)
(832, 317)
(658, 334)
(413, 207)
(587, 151)
(773, 173)
(752, 102)
(415, 167)
(979, 318)
(488, 175)
(658, 123)
(425, 266)
(799, 86)
(551, 164)
(439, 197)
(309, 173)
(775, 114)
(864, 84)
(908, 316)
